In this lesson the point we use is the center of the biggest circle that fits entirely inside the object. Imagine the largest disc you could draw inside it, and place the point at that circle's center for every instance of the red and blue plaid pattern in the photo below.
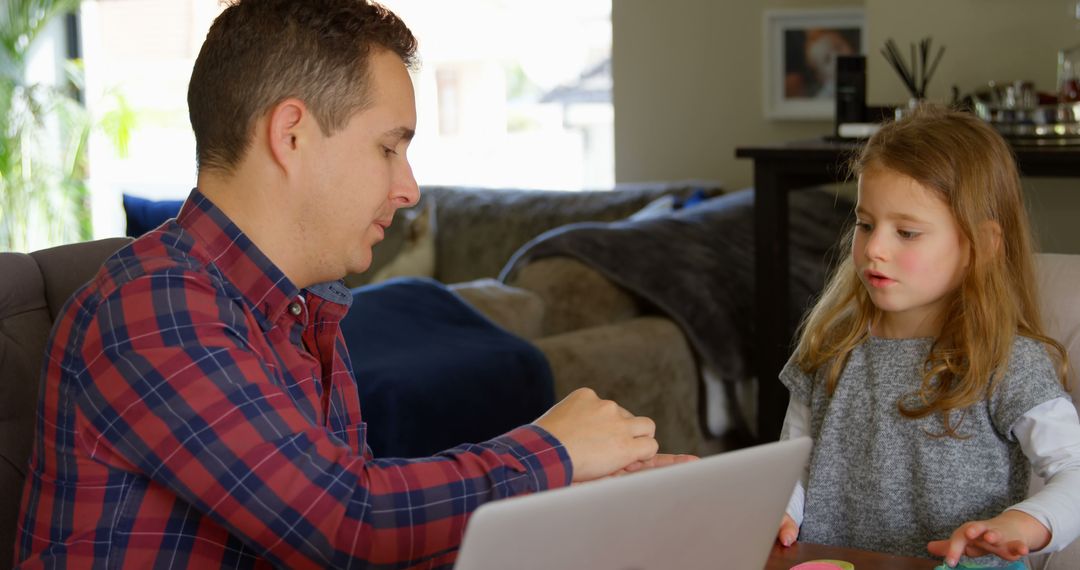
(198, 410)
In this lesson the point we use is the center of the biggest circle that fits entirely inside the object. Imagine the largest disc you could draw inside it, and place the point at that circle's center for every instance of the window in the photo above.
(144, 49)
(513, 93)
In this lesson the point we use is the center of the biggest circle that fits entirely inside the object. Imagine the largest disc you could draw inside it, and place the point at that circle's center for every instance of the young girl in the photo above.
(923, 373)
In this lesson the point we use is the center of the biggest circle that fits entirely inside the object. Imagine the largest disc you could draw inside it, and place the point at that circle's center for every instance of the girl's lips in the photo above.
(875, 279)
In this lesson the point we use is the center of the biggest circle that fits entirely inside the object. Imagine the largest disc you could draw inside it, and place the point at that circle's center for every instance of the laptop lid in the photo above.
(722, 511)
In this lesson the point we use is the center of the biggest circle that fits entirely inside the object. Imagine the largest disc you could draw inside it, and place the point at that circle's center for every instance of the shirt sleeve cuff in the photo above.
(796, 504)
(1044, 519)
(542, 454)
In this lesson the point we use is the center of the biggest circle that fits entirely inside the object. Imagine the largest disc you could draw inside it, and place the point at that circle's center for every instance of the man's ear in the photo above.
(285, 133)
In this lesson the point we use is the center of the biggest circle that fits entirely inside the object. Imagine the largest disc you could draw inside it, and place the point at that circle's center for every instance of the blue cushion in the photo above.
(144, 215)
(433, 373)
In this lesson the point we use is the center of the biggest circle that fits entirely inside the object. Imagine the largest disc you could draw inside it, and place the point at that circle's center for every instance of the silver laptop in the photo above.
(720, 512)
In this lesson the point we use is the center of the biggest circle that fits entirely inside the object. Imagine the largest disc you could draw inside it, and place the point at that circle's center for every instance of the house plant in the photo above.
(43, 136)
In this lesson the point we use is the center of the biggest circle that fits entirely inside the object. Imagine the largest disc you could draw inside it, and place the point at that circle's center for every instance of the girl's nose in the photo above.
(875, 247)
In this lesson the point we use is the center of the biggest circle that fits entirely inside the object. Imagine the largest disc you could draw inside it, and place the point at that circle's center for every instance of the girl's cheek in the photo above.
(909, 261)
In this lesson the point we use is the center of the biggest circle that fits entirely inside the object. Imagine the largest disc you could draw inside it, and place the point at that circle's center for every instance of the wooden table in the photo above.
(784, 558)
(779, 169)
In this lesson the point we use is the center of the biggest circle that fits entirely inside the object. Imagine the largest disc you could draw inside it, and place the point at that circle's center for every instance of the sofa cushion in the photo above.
(518, 311)
(575, 296)
(433, 373)
(143, 214)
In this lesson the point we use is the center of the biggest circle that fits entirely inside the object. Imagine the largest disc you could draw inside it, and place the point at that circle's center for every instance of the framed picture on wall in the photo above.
(801, 47)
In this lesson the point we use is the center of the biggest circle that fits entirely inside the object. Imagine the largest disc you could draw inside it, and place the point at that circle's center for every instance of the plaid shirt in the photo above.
(198, 410)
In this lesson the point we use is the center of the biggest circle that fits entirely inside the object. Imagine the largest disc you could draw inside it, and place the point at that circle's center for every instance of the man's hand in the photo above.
(1010, 535)
(789, 531)
(599, 436)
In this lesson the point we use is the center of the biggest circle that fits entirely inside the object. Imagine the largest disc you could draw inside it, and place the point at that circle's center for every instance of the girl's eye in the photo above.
(906, 234)
(863, 226)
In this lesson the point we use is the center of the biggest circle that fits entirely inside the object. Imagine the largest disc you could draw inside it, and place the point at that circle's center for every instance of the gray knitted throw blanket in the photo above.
(697, 265)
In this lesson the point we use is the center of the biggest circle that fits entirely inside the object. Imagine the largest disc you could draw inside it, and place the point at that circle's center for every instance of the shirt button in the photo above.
(295, 309)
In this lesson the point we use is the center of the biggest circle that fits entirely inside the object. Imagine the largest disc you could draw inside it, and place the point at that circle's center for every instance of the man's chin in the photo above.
(359, 265)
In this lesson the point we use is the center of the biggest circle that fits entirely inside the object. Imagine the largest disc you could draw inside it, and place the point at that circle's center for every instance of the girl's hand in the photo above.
(789, 531)
(656, 461)
(1010, 535)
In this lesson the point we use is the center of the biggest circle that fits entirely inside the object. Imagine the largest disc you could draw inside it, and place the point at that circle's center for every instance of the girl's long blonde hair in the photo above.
(972, 169)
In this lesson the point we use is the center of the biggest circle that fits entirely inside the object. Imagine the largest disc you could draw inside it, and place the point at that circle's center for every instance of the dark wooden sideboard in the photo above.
(781, 168)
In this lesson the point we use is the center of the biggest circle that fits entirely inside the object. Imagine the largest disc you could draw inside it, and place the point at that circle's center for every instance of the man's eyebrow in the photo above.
(401, 133)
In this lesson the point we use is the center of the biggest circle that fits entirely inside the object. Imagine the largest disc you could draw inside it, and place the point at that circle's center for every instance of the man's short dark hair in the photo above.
(260, 52)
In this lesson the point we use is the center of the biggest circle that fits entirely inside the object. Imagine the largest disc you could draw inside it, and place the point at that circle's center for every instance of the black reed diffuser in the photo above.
(917, 75)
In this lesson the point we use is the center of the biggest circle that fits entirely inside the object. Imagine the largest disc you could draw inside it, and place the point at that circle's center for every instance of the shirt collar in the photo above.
(244, 265)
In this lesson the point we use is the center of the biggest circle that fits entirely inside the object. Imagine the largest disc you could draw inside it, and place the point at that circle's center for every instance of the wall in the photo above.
(688, 88)
(985, 40)
(688, 81)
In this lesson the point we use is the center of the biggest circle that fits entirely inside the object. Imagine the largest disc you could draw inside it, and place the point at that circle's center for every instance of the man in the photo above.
(199, 408)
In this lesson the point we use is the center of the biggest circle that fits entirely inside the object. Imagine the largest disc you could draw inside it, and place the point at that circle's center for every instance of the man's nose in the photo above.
(404, 191)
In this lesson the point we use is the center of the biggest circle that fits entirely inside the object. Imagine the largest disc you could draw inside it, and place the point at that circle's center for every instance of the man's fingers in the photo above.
(644, 448)
(636, 466)
(600, 436)
(642, 427)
